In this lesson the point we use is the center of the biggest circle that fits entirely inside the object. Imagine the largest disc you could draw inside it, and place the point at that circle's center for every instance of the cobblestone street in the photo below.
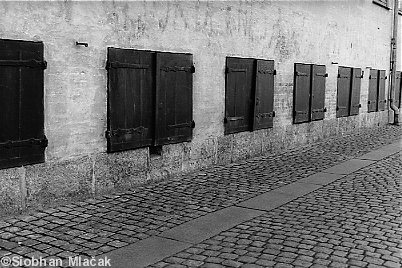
(351, 220)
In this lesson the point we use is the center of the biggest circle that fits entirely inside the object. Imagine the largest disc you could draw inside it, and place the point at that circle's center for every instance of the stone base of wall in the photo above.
(50, 184)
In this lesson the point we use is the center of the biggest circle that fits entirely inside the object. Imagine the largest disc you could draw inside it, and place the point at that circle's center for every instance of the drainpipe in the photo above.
(394, 47)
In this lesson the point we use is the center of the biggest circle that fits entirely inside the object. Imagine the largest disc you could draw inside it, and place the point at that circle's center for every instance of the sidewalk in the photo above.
(336, 203)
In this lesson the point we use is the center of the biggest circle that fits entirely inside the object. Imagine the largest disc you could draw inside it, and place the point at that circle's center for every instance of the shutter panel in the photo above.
(381, 90)
(301, 93)
(238, 94)
(22, 139)
(264, 95)
(319, 75)
(355, 94)
(130, 99)
(174, 98)
(343, 94)
(373, 91)
(397, 100)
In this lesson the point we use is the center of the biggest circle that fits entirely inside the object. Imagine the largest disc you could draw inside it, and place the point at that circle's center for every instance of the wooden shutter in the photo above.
(174, 98)
(381, 90)
(22, 139)
(343, 91)
(130, 99)
(373, 91)
(301, 93)
(318, 77)
(355, 94)
(264, 95)
(238, 94)
(397, 100)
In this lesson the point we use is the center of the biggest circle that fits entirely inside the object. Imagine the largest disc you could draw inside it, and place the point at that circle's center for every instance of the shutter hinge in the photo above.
(116, 65)
(323, 110)
(301, 74)
(190, 69)
(268, 71)
(235, 70)
(25, 143)
(264, 115)
(300, 112)
(357, 106)
(24, 63)
(120, 131)
(340, 108)
(183, 125)
(322, 74)
(228, 119)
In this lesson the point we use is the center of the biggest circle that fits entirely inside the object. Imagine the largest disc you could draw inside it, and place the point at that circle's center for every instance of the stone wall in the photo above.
(334, 33)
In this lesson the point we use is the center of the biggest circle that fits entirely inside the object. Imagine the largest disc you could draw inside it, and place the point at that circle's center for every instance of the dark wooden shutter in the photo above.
(381, 90)
(343, 91)
(301, 93)
(373, 91)
(397, 100)
(238, 94)
(355, 94)
(22, 139)
(174, 98)
(130, 99)
(264, 95)
(318, 77)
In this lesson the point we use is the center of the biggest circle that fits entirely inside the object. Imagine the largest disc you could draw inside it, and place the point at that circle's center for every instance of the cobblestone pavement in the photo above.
(97, 226)
(354, 222)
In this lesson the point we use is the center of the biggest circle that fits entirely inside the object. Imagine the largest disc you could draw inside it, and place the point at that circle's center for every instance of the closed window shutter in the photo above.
(398, 89)
(22, 139)
(301, 94)
(373, 91)
(355, 94)
(343, 91)
(238, 95)
(318, 78)
(264, 95)
(130, 99)
(381, 90)
(174, 98)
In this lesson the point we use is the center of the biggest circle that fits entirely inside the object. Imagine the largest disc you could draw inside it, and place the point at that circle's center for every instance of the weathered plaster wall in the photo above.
(334, 33)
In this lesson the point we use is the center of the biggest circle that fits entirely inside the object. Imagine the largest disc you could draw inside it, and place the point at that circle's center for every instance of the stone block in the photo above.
(199, 154)
(119, 169)
(224, 150)
(10, 194)
(245, 145)
(52, 183)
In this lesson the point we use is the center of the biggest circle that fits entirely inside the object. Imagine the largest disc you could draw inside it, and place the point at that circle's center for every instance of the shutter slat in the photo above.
(130, 99)
(318, 73)
(355, 94)
(301, 93)
(239, 96)
(22, 139)
(397, 100)
(264, 95)
(381, 90)
(9, 108)
(373, 91)
(174, 98)
(32, 113)
(343, 91)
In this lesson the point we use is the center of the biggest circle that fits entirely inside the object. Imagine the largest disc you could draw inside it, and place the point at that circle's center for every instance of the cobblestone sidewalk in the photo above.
(97, 226)
(354, 222)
